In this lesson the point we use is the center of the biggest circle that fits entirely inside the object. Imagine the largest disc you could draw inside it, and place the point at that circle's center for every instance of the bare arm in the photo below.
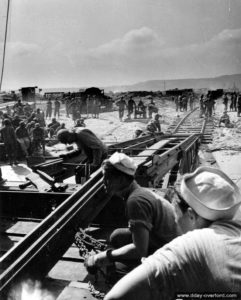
(136, 250)
(134, 285)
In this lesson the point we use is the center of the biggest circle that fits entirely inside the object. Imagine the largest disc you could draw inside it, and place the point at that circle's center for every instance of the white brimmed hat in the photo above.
(123, 163)
(211, 193)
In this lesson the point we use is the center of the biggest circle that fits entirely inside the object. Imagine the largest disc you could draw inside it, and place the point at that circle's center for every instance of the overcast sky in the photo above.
(76, 43)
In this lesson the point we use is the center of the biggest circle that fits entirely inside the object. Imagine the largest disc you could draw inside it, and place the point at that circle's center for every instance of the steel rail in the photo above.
(183, 120)
(41, 249)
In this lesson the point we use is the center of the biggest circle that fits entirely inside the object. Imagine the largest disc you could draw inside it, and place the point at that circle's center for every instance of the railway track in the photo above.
(192, 123)
(160, 159)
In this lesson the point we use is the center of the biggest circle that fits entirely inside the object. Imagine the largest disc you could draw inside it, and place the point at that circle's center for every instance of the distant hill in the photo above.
(221, 82)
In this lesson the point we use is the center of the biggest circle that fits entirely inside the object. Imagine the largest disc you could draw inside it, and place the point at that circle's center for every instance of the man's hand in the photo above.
(93, 262)
(90, 265)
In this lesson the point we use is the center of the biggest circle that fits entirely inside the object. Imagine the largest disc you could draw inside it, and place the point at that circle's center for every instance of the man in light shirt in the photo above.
(206, 258)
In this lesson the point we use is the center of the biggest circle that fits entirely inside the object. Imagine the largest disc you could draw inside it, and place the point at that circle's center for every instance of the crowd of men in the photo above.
(24, 130)
(137, 109)
(189, 243)
(231, 102)
(182, 102)
(75, 106)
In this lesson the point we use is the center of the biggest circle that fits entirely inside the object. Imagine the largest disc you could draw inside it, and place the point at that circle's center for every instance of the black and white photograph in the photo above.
(120, 149)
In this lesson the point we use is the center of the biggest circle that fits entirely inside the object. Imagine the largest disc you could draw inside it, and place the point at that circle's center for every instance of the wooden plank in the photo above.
(21, 227)
(37, 181)
(67, 270)
(15, 173)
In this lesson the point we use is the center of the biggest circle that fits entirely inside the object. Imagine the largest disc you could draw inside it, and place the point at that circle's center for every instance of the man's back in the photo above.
(57, 104)
(201, 261)
(87, 138)
(131, 103)
(152, 211)
(38, 133)
(121, 104)
(8, 134)
(49, 104)
(21, 132)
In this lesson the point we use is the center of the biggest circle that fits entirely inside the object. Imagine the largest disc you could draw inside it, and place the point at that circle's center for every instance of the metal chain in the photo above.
(86, 244)
(83, 251)
(95, 293)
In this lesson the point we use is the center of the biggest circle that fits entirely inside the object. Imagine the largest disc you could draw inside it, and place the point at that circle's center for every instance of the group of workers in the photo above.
(206, 106)
(190, 244)
(183, 101)
(231, 102)
(24, 131)
(138, 109)
(49, 108)
(74, 106)
(233, 106)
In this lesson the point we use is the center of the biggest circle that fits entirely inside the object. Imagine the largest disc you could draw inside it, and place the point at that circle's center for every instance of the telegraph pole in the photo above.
(4, 45)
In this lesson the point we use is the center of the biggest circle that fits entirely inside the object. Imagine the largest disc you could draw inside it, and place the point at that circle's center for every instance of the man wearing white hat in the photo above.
(206, 258)
(151, 218)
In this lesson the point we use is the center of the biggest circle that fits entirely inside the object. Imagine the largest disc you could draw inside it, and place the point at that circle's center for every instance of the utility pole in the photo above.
(4, 46)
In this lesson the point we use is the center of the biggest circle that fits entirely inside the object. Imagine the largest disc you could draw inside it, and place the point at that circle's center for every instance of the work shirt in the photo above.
(21, 132)
(92, 146)
(38, 133)
(16, 120)
(153, 126)
(156, 214)
(8, 135)
(131, 104)
(201, 261)
(57, 104)
(54, 125)
(49, 105)
(121, 104)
